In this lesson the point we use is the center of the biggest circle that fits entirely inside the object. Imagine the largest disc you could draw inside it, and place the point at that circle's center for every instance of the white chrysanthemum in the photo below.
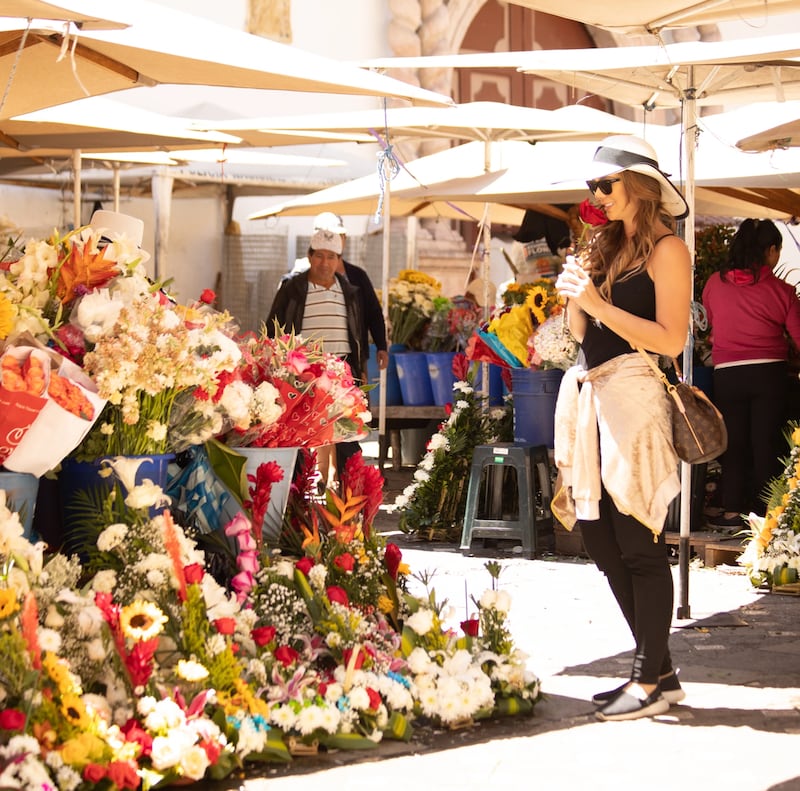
(421, 621)
(421, 475)
(112, 537)
(50, 640)
(105, 581)
(317, 576)
(438, 441)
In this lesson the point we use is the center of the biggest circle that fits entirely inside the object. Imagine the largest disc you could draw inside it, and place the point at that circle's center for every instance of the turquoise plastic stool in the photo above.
(489, 515)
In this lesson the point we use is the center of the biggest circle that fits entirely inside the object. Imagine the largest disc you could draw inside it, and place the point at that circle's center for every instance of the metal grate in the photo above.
(252, 268)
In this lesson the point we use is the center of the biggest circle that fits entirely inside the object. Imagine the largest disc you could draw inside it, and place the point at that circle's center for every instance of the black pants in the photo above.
(752, 399)
(639, 575)
(344, 450)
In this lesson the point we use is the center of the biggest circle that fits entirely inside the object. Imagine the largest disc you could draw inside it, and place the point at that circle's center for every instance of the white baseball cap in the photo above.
(328, 221)
(326, 240)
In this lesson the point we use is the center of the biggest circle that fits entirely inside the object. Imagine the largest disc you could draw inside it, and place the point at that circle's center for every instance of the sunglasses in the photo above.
(604, 185)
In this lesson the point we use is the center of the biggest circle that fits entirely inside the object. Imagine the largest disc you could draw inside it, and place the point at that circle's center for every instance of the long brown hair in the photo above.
(613, 256)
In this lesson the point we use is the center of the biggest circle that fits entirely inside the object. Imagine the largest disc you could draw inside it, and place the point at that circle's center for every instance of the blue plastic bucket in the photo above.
(535, 394)
(393, 395)
(440, 371)
(21, 490)
(415, 382)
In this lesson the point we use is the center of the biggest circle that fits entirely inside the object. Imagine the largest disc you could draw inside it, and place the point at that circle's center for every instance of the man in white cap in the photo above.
(371, 310)
(321, 303)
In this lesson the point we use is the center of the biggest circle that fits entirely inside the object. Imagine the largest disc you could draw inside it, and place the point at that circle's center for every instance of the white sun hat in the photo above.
(628, 152)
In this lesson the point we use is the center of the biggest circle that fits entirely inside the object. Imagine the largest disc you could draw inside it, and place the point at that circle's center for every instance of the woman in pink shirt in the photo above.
(753, 315)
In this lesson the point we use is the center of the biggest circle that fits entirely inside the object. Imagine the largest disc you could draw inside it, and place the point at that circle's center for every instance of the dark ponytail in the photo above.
(748, 248)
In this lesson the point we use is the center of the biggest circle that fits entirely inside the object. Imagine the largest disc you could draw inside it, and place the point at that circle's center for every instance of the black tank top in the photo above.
(636, 295)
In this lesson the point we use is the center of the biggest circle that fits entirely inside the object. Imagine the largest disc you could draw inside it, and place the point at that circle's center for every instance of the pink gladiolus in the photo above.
(248, 561)
(238, 525)
(246, 542)
(243, 583)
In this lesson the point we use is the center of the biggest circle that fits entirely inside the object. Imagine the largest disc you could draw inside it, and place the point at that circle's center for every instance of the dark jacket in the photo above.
(289, 306)
(374, 323)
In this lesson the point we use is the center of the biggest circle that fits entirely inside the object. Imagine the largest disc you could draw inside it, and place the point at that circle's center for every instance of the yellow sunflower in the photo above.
(6, 316)
(142, 620)
(74, 710)
(537, 303)
(8, 602)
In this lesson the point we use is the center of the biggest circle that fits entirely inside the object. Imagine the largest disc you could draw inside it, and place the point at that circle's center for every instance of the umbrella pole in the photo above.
(386, 255)
(76, 187)
(116, 184)
(690, 144)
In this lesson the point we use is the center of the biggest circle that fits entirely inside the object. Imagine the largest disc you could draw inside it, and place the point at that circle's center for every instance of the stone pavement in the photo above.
(739, 660)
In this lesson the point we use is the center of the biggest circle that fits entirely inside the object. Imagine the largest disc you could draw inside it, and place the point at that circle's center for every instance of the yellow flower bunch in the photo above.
(421, 278)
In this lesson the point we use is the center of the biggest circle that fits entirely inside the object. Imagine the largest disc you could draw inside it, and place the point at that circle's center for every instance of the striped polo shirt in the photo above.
(325, 318)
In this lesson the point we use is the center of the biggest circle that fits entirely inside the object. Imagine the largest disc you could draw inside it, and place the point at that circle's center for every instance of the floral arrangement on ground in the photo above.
(144, 663)
(432, 507)
(772, 555)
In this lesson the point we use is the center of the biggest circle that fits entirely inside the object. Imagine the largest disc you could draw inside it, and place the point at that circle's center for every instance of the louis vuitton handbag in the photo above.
(698, 430)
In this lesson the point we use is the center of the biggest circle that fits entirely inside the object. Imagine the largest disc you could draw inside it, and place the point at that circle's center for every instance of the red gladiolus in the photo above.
(225, 625)
(212, 749)
(337, 595)
(94, 773)
(374, 699)
(139, 662)
(346, 562)
(194, 573)
(460, 367)
(286, 655)
(263, 635)
(305, 565)
(11, 720)
(392, 557)
(470, 627)
(208, 296)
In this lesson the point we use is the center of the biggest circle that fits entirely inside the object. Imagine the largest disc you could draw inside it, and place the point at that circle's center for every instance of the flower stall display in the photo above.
(145, 666)
(772, 555)
(433, 505)
(411, 306)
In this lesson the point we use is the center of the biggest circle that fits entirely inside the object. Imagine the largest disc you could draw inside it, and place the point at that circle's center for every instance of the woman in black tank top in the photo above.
(631, 287)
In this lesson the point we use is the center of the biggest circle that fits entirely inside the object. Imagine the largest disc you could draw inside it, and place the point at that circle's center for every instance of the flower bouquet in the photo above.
(772, 554)
(288, 392)
(509, 336)
(411, 305)
(157, 363)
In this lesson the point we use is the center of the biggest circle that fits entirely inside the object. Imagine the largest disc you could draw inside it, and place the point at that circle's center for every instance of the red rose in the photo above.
(123, 775)
(286, 655)
(337, 595)
(225, 625)
(374, 699)
(305, 565)
(208, 296)
(263, 635)
(591, 214)
(94, 773)
(193, 573)
(392, 557)
(11, 720)
(345, 562)
(470, 627)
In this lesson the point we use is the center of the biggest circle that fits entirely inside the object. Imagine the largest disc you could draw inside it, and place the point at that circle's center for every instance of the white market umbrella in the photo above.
(42, 64)
(653, 16)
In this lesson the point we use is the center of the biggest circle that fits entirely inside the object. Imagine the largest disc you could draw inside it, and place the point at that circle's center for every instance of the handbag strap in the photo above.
(656, 370)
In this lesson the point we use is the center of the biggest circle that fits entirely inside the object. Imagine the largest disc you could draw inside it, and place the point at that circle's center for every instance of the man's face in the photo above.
(324, 265)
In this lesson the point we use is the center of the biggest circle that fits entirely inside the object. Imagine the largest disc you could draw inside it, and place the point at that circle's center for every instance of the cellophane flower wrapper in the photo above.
(319, 401)
(39, 431)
